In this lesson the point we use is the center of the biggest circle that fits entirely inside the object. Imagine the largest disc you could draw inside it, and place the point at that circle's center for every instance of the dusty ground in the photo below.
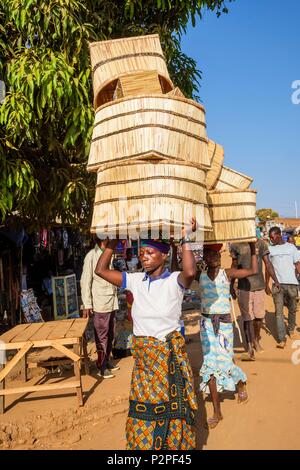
(270, 420)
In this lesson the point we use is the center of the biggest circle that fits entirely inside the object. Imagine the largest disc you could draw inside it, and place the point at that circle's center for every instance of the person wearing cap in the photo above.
(162, 401)
(219, 372)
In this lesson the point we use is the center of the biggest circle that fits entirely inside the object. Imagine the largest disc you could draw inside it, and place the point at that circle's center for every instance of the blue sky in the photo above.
(249, 59)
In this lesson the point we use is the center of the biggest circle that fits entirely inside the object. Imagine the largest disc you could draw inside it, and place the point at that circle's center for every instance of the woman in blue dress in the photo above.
(219, 372)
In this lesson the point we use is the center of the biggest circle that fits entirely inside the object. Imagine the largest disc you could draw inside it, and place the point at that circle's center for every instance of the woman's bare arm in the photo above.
(189, 268)
(102, 269)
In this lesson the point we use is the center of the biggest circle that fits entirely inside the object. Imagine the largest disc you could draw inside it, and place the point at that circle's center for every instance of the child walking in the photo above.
(219, 372)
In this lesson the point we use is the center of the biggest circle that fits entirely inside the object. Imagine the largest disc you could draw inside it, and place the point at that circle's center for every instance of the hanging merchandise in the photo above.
(40, 243)
(73, 237)
(53, 240)
(60, 257)
(5, 318)
(36, 241)
(59, 238)
(44, 238)
(24, 278)
(65, 238)
(30, 308)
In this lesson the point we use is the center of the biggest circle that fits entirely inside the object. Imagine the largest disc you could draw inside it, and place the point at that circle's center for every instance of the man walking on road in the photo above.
(251, 292)
(100, 300)
(286, 261)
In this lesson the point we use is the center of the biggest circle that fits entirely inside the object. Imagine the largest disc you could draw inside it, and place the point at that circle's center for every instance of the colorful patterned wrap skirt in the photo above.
(162, 401)
(218, 357)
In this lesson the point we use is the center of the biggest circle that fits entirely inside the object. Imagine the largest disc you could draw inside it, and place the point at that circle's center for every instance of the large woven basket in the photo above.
(138, 83)
(154, 126)
(176, 92)
(112, 59)
(232, 215)
(230, 179)
(216, 156)
(161, 191)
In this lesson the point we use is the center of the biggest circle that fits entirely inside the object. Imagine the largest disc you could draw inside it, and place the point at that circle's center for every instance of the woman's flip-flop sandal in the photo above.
(246, 357)
(213, 422)
(243, 397)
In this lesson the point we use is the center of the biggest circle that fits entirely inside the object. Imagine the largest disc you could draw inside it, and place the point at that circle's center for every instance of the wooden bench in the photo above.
(54, 334)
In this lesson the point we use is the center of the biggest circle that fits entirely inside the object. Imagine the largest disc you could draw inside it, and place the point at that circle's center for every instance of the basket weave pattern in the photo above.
(151, 152)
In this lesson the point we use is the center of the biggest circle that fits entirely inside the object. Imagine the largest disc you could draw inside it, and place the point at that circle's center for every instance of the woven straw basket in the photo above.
(231, 179)
(160, 191)
(137, 84)
(154, 126)
(216, 156)
(176, 92)
(112, 59)
(232, 215)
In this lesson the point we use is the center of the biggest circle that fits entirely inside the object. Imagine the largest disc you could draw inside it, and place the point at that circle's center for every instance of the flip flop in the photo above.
(243, 397)
(246, 357)
(213, 422)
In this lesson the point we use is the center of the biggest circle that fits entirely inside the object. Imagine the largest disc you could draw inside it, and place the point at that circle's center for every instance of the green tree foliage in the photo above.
(46, 118)
(266, 214)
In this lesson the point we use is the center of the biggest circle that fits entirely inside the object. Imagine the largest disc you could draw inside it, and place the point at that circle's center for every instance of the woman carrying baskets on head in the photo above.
(218, 372)
(162, 399)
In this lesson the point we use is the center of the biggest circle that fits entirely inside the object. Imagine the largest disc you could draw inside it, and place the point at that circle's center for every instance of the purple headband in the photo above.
(160, 246)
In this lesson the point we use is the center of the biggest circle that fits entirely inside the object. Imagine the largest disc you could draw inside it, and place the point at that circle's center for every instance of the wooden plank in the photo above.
(61, 330)
(78, 328)
(39, 344)
(85, 356)
(23, 363)
(26, 334)
(10, 334)
(2, 387)
(40, 388)
(44, 332)
(67, 352)
(76, 349)
(11, 364)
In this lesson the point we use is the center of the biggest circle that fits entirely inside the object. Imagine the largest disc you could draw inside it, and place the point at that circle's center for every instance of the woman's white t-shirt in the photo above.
(156, 308)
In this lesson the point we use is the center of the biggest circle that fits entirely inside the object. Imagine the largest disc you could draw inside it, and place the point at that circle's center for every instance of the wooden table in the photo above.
(53, 334)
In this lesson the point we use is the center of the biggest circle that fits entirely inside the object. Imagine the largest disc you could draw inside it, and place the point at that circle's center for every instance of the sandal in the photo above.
(243, 396)
(247, 357)
(213, 422)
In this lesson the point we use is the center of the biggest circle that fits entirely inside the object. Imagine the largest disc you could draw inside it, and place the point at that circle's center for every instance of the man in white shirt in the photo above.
(100, 300)
(286, 262)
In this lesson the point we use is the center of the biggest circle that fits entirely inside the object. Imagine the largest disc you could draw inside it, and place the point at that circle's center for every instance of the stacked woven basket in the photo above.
(155, 165)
